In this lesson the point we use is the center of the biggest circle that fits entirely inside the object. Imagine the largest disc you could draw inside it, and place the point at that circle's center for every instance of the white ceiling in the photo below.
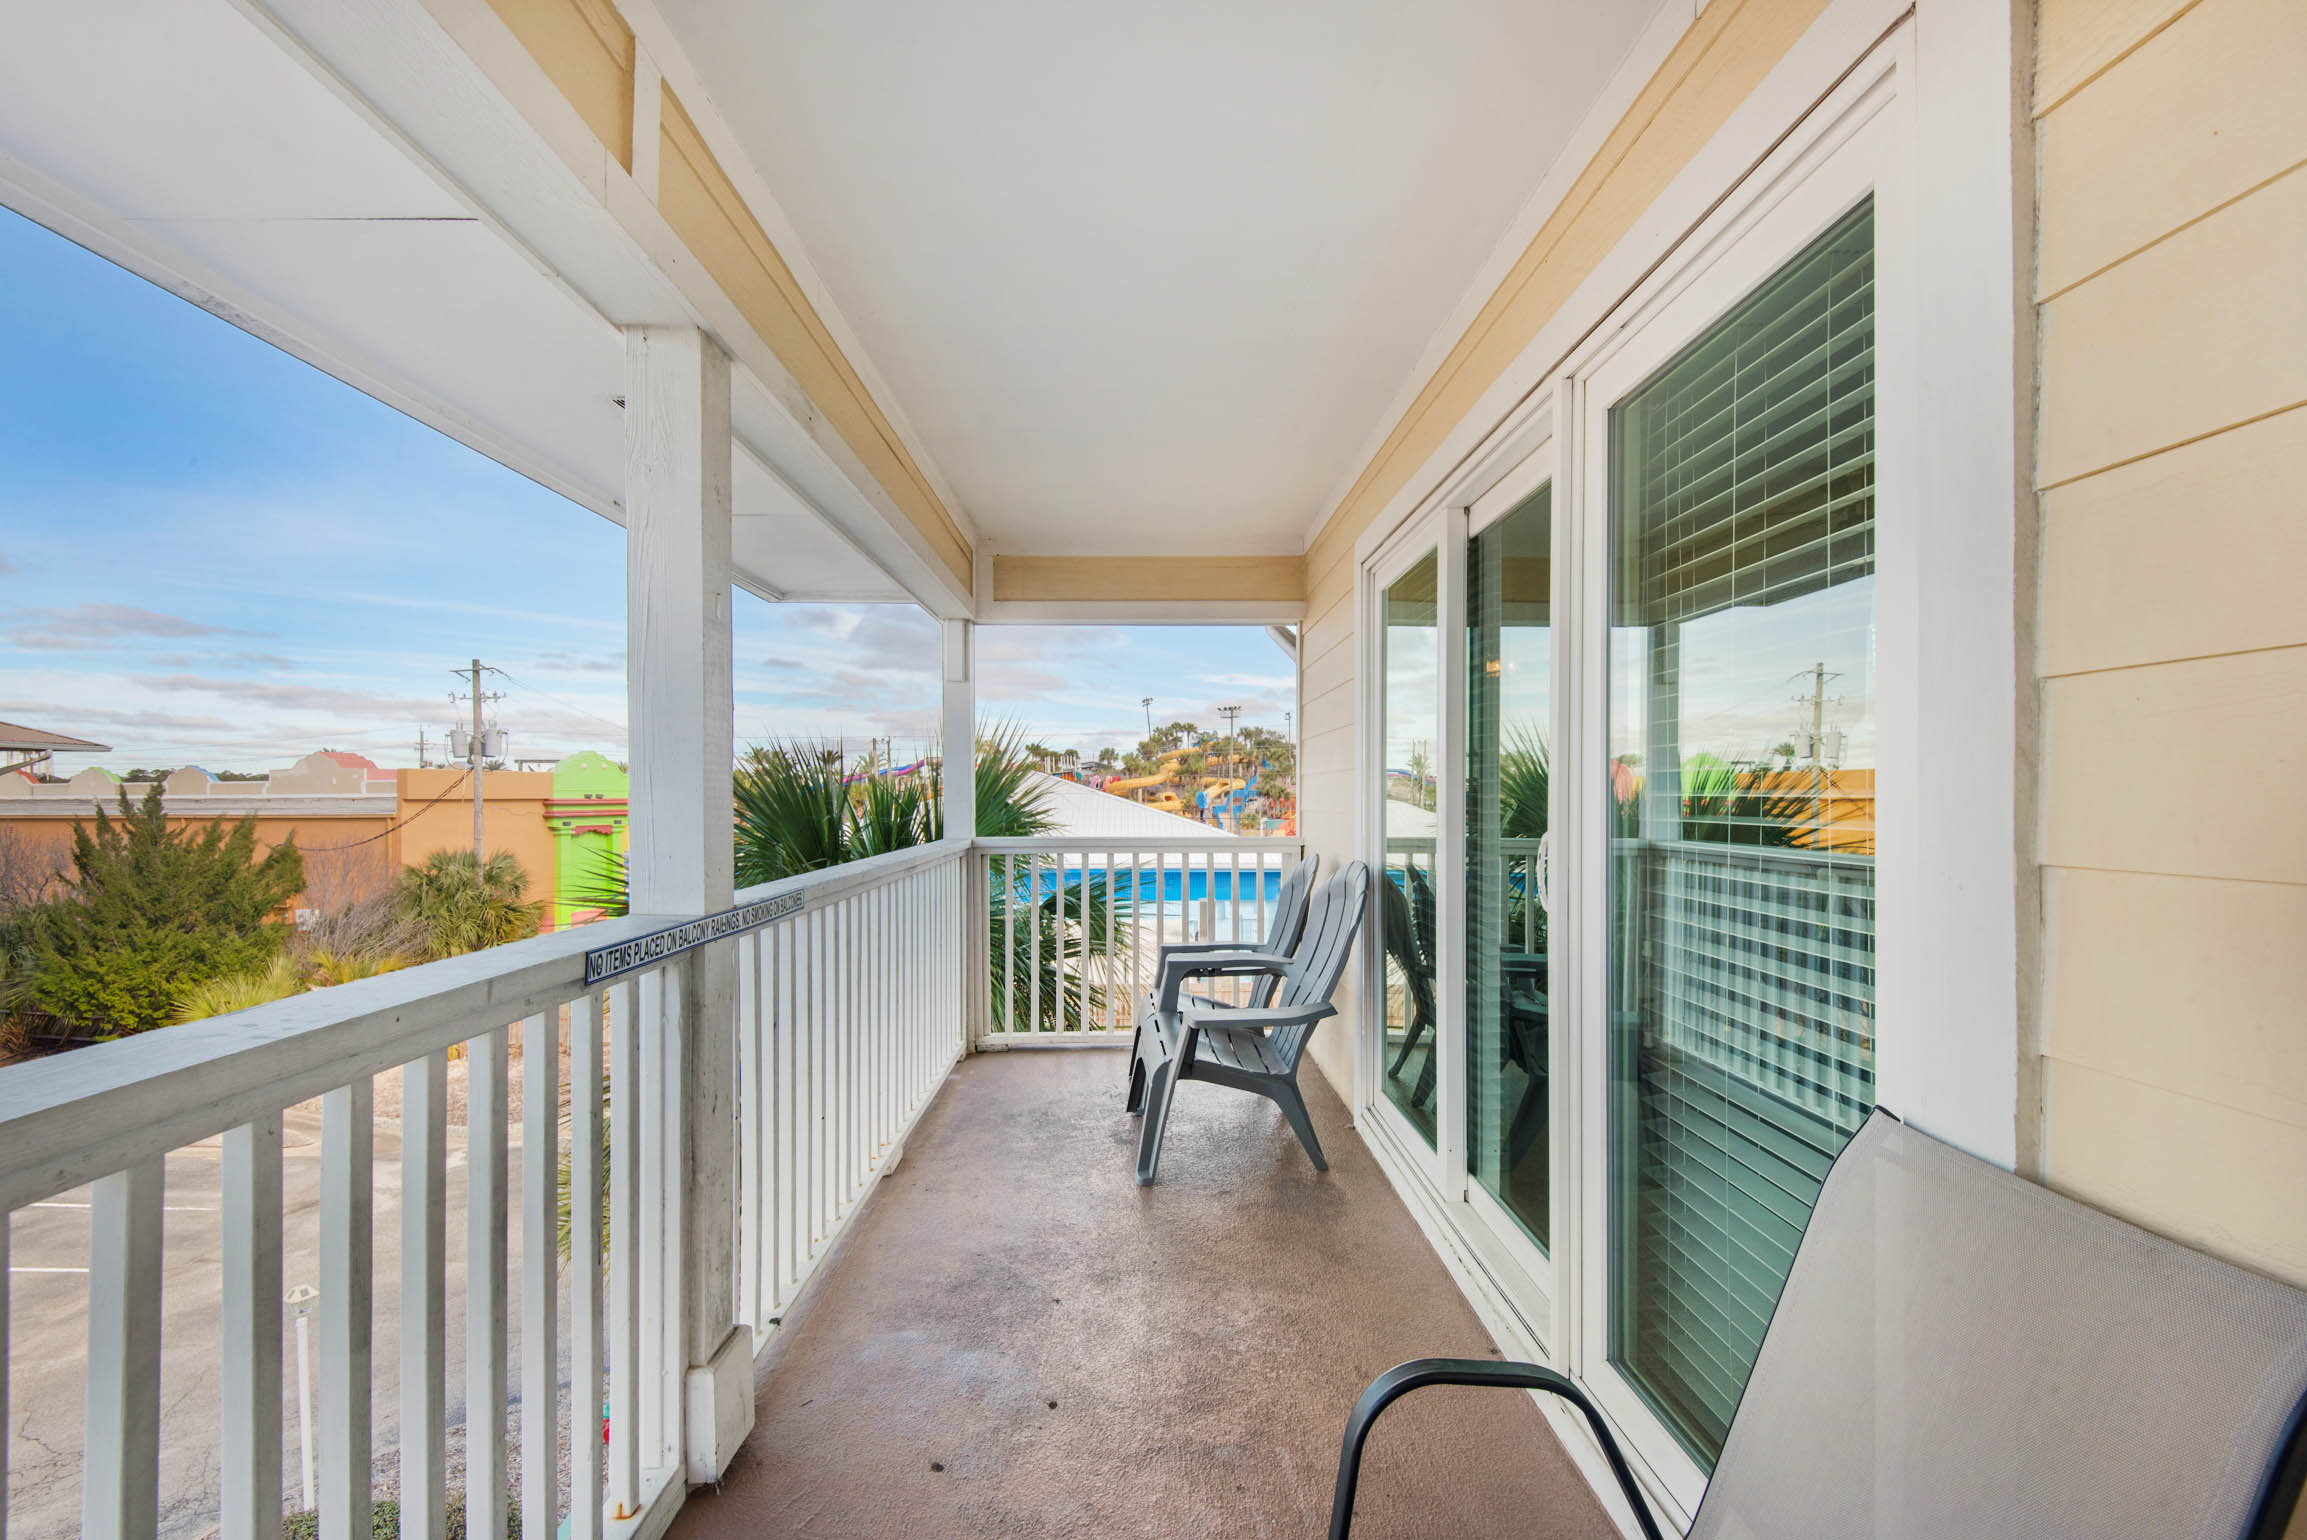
(1145, 277)
(176, 136)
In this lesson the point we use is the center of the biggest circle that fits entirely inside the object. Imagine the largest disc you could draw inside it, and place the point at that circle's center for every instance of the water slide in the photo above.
(1139, 782)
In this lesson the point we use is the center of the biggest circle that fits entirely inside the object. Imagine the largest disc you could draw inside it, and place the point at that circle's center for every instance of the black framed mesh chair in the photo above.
(1961, 1352)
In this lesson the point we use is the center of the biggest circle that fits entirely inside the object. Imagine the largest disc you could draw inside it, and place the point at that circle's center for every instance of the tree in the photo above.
(150, 911)
(457, 904)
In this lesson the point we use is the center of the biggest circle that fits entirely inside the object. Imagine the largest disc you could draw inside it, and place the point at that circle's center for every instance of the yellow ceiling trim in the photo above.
(704, 208)
(1108, 579)
(1715, 66)
(586, 50)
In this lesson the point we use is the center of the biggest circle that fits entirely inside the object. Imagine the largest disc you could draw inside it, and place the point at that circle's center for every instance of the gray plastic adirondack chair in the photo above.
(1186, 958)
(1251, 1048)
(1960, 1352)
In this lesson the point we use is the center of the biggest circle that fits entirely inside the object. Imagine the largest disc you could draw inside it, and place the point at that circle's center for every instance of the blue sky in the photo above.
(211, 553)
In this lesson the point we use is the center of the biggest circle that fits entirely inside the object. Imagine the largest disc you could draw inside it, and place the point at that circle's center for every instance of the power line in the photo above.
(395, 826)
(567, 705)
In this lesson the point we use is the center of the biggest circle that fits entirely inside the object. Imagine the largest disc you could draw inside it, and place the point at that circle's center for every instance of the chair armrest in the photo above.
(1400, 1380)
(1264, 1018)
(1176, 970)
(1179, 948)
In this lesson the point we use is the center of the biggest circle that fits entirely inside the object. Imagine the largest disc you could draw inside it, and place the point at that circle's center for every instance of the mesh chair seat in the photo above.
(1959, 1352)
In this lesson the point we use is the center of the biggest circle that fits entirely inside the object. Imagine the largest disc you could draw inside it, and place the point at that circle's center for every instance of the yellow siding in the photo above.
(2217, 110)
(1144, 578)
(2172, 642)
(2125, 582)
(2197, 333)
(586, 49)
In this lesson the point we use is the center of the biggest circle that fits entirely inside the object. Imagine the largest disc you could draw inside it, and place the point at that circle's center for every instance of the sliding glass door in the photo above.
(1740, 771)
(1509, 658)
(1410, 665)
(1626, 695)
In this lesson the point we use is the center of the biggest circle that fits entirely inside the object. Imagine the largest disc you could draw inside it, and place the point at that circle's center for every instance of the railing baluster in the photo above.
(347, 1276)
(813, 1123)
(585, 1269)
(1008, 945)
(7, 1224)
(665, 1196)
(486, 1213)
(540, 1272)
(625, 1161)
(650, 1026)
(886, 1042)
(788, 1181)
(120, 1470)
(749, 1231)
(1234, 919)
(1136, 930)
(1081, 919)
(424, 1298)
(248, 1482)
(850, 1148)
(1033, 942)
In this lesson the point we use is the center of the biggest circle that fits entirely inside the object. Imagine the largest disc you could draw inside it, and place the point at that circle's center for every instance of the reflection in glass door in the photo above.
(1741, 772)
(1508, 675)
(1410, 664)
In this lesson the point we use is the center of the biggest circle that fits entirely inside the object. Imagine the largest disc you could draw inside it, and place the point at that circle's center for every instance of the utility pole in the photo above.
(424, 760)
(476, 753)
(1817, 746)
(479, 761)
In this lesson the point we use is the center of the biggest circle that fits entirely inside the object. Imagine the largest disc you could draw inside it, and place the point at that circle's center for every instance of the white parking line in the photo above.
(165, 1208)
(48, 1269)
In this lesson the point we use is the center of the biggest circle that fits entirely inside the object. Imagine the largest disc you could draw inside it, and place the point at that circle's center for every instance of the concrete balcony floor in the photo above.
(1086, 1358)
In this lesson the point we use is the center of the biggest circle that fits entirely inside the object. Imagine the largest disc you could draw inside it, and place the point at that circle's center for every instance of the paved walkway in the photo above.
(1017, 1341)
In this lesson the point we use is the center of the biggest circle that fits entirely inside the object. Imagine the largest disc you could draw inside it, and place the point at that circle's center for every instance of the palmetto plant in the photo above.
(1522, 785)
(1726, 803)
(1046, 925)
(793, 812)
(457, 904)
(797, 811)
(238, 992)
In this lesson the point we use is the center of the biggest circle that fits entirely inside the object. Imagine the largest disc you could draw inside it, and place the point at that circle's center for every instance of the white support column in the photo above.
(958, 753)
(681, 711)
(960, 727)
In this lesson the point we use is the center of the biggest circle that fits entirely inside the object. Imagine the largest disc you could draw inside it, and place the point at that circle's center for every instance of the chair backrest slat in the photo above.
(1331, 920)
(1289, 922)
(1958, 1351)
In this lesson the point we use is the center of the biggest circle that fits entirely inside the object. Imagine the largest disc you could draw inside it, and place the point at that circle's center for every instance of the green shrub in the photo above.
(385, 1520)
(239, 991)
(149, 911)
(456, 904)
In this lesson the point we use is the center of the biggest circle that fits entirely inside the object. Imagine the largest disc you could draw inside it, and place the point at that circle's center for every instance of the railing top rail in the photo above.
(856, 876)
(69, 1119)
(1246, 845)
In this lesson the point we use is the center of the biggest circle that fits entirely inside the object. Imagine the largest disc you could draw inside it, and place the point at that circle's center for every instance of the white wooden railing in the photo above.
(849, 1013)
(1072, 927)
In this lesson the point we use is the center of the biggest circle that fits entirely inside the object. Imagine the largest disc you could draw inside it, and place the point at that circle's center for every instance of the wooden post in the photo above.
(959, 745)
(958, 751)
(682, 716)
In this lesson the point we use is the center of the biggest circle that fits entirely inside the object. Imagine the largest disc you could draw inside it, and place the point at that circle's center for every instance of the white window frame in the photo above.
(1856, 149)
(1408, 544)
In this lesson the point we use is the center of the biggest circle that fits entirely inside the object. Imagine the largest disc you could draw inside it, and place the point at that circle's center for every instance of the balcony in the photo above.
(1017, 1340)
(934, 1267)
